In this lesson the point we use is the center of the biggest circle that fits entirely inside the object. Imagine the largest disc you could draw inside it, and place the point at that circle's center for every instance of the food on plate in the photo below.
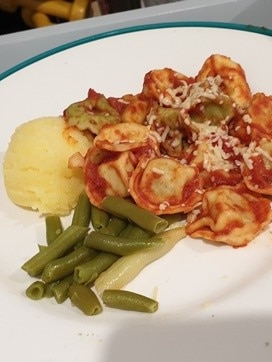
(82, 266)
(92, 113)
(124, 299)
(199, 143)
(232, 78)
(126, 268)
(196, 150)
(140, 216)
(174, 147)
(230, 214)
(69, 238)
(36, 172)
(36, 290)
(161, 183)
(85, 299)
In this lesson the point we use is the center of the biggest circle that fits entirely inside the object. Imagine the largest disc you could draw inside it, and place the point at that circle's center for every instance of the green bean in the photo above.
(60, 290)
(125, 233)
(85, 299)
(126, 300)
(138, 232)
(118, 245)
(82, 211)
(36, 290)
(61, 267)
(126, 209)
(66, 240)
(42, 247)
(89, 271)
(135, 231)
(173, 218)
(114, 227)
(48, 289)
(99, 218)
(126, 268)
(53, 228)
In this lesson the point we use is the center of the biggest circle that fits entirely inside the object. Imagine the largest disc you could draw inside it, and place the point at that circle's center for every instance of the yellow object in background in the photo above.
(39, 13)
(8, 5)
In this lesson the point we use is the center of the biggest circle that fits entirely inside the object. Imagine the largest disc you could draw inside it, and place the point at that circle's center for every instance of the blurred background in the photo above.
(18, 15)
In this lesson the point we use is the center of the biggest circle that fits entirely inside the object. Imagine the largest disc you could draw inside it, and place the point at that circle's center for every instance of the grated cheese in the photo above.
(248, 130)
(175, 143)
(151, 118)
(120, 100)
(247, 153)
(158, 171)
(163, 205)
(165, 133)
(262, 152)
(214, 138)
(246, 118)
(186, 96)
(217, 149)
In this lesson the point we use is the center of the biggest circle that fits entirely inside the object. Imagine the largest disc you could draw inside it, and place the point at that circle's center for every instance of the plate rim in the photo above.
(137, 28)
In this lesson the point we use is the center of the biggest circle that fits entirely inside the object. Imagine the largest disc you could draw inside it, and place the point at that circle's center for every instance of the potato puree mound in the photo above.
(35, 167)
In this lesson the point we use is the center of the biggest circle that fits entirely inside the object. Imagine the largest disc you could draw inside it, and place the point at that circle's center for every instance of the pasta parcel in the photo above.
(198, 145)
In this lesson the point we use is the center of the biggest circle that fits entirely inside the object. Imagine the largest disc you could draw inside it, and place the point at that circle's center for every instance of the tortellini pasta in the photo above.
(164, 185)
(233, 77)
(107, 173)
(230, 214)
(197, 145)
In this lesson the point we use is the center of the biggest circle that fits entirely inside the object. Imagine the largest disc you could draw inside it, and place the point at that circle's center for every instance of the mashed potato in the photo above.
(36, 173)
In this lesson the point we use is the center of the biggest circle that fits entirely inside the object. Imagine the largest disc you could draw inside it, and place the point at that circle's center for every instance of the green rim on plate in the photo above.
(88, 39)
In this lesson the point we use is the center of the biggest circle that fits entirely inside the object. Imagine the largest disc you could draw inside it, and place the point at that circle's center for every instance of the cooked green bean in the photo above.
(48, 289)
(125, 233)
(126, 209)
(61, 267)
(53, 227)
(60, 290)
(135, 231)
(42, 247)
(173, 218)
(36, 290)
(138, 232)
(126, 300)
(85, 299)
(128, 267)
(119, 245)
(114, 227)
(99, 218)
(89, 271)
(66, 240)
(82, 211)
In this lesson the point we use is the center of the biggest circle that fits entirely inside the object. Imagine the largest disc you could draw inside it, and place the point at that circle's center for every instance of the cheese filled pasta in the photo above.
(200, 145)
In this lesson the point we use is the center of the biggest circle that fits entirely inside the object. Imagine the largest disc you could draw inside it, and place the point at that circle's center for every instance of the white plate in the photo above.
(215, 302)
